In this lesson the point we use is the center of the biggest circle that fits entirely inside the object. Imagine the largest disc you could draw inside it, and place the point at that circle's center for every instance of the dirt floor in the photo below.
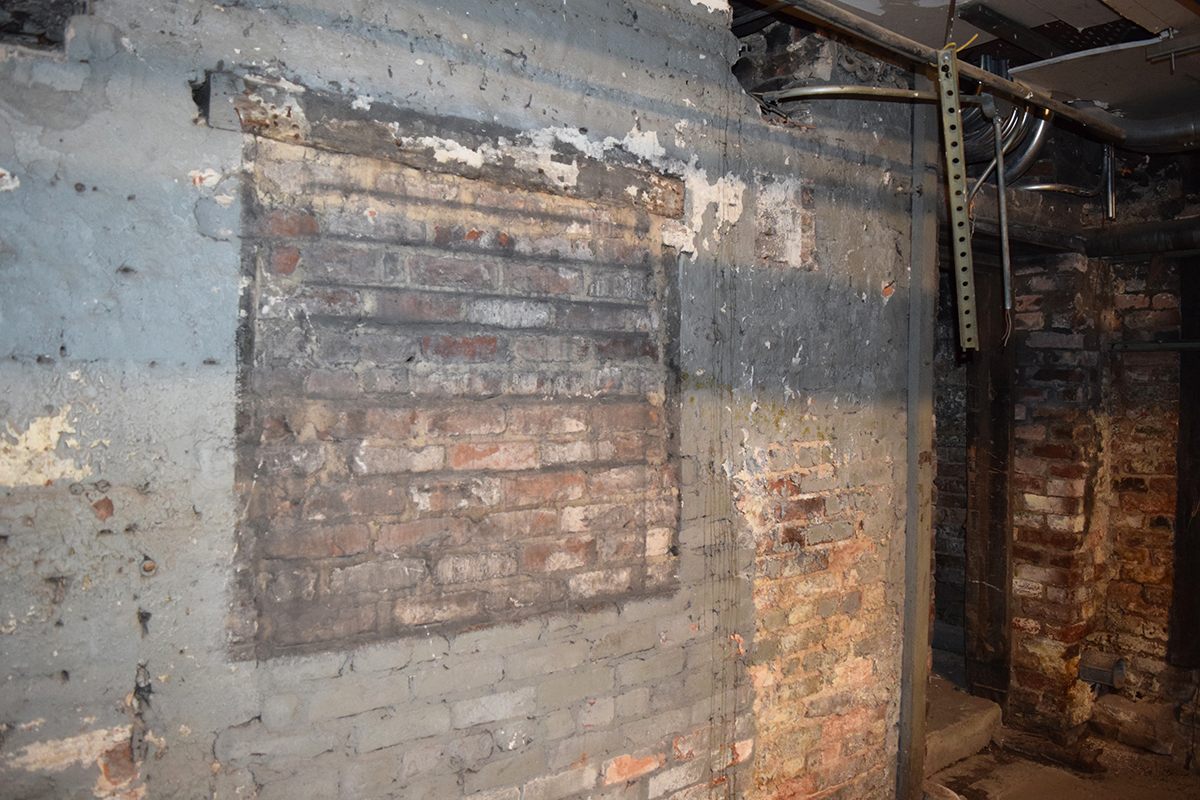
(997, 774)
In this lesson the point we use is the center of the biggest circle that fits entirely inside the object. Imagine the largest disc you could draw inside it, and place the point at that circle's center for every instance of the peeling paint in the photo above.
(725, 194)
(712, 5)
(57, 755)
(8, 181)
(447, 150)
(28, 458)
(643, 144)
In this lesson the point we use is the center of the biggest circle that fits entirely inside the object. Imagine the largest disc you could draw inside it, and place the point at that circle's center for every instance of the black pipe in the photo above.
(1154, 238)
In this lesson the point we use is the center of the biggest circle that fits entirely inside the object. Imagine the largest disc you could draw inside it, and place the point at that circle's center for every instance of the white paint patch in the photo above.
(725, 195)
(205, 177)
(447, 150)
(780, 221)
(29, 459)
(59, 754)
(362, 102)
(643, 144)
(712, 5)
(8, 181)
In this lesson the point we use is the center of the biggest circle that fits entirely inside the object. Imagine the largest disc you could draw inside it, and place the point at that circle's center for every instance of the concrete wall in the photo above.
(770, 667)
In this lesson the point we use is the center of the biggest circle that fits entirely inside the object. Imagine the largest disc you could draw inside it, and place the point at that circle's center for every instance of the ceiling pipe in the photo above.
(1155, 238)
(1172, 134)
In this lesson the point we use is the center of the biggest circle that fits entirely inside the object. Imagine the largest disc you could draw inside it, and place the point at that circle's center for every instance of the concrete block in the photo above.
(504, 772)
(654, 667)
(676, 778)
(492, 708)
(375, 730)
(564, 784)
(959, 725)
(543, 660)
(565, 688)
(353, 694)
(452, 676)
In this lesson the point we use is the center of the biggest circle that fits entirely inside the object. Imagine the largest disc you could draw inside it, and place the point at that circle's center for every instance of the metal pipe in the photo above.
(1031, 148)
(1005, 260)
(1154, 347)
(848, 90)
(1110, 183)
(1173, 236)
(1060, 188)
(1013, 170)
(982, 179)
(1172, 134)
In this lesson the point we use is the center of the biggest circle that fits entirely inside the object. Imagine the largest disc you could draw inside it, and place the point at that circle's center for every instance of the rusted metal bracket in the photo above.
(956, 190)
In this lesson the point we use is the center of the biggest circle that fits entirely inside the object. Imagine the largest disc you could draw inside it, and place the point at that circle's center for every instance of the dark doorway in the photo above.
(974, 409)
(1183, 642)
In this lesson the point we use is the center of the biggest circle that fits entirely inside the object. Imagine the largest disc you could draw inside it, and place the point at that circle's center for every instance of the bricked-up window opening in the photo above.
(38, 23)
(1183, 643)
(456, 400)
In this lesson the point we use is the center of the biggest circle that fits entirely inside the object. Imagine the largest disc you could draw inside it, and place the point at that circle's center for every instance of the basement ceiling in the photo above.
(1116, 53)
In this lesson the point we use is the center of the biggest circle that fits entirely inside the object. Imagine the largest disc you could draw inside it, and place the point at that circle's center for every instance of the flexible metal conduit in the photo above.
(1169, 134)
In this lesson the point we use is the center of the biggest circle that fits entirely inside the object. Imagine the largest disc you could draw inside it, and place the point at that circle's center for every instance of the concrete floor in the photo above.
(1132, 775)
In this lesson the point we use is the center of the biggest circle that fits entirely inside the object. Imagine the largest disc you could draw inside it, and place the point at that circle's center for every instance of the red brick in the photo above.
(462, 348)
(540, 420)
(284, 260)
(495, 456)
(291, 223)
(318, 541)
(630, 767)
(465, 274)
(560, 554)
(543, 488)
(399, 536)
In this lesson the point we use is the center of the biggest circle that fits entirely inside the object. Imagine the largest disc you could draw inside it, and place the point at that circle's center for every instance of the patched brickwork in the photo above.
(455, 401)
(822, 632)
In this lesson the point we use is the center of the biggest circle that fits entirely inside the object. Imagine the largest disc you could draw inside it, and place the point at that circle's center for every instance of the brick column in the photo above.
(1059, 483)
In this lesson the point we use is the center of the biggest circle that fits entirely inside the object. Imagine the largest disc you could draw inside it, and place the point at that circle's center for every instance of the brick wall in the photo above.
(1093, 533)
(1060, 479)
(1144, 407)
(824, 630)
(455, 399)
(550, 156)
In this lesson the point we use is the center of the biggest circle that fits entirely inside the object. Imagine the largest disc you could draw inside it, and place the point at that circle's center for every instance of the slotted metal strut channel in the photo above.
(956, 186)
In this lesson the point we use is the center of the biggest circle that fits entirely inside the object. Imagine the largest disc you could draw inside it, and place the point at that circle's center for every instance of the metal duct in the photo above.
(1167, 135)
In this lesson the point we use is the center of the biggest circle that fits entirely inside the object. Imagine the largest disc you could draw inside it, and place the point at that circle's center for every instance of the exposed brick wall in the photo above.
(1144, 408)
(821, 488)
(823, 627)
(454, 401)
(1059, 483)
